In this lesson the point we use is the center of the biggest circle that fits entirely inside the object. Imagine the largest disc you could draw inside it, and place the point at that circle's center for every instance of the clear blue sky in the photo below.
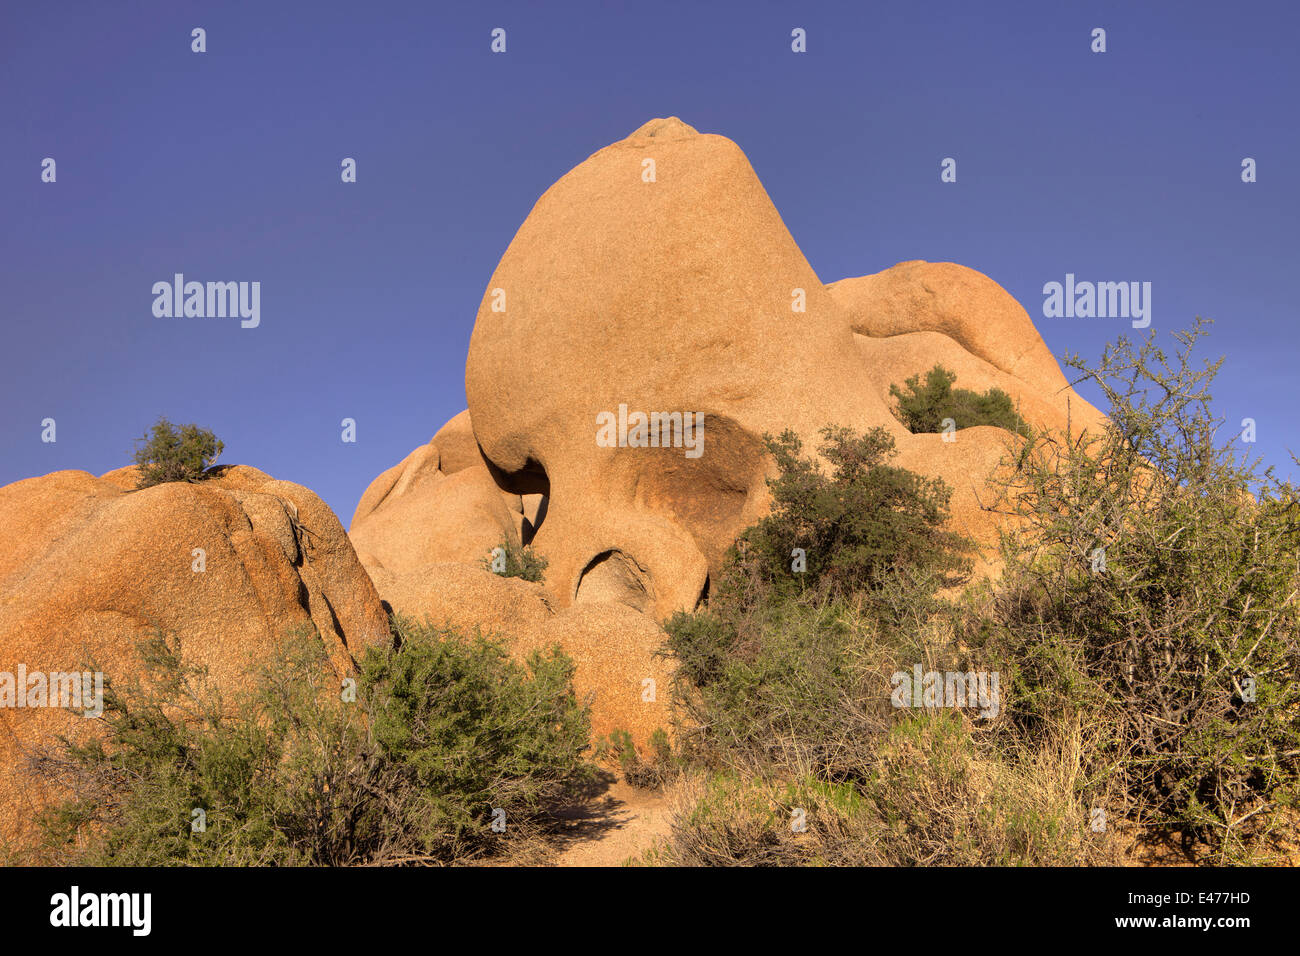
(225, 166)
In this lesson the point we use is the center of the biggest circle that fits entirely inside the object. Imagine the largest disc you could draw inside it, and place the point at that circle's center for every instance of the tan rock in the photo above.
(457, 447)
(125, 478)
(917, 314)
(614, 650)
(677, 292)
(465, 597)
(966, 306)
(439, 504)
(87, 569)
(665, 296)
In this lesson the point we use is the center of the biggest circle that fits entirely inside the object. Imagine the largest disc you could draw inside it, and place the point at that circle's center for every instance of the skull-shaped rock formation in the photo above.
(656, 279)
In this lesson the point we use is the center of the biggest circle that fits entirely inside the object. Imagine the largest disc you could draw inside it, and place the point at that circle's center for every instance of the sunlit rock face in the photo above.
(656, 279)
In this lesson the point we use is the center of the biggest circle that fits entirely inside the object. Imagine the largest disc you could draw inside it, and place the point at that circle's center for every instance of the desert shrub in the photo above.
(1149, 592)
(781, 661)
(733, 819)
(927, 796)
(776, 670)
(442, 730)
(472, 730)
(1145, 632)
(171, 453)
(923, 406)
(859, 524)
(806, 682)
(516, 562)
(172, 745)
(784, 694)
(798, 682)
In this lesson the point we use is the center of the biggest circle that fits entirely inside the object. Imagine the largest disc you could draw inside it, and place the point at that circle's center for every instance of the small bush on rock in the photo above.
(171, 453)
(511, 561)
(924, 405)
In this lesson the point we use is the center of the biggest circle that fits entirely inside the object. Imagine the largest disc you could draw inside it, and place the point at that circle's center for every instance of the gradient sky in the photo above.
(1123, 166)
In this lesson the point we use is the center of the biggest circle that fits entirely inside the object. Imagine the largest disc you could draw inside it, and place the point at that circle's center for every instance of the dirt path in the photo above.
(613, 824)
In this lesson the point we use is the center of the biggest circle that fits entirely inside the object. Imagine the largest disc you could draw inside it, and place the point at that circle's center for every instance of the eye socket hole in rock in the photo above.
(613, 576)
(707, 496)
(531, 479)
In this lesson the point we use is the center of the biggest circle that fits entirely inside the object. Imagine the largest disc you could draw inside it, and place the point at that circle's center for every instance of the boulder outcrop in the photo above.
(438, 504)
(230, 566)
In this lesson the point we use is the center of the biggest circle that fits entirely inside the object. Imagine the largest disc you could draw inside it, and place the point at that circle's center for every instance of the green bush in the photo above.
(1150, 593)
(794, 684)
(862, 523)
(516, 562)
(472, 730)
(803, 682)
(442, 731)
(169, 453)
(924, 405)
(794, 667)
(784, 694)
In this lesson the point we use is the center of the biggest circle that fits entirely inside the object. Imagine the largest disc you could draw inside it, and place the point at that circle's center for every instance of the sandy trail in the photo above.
(615, 822)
